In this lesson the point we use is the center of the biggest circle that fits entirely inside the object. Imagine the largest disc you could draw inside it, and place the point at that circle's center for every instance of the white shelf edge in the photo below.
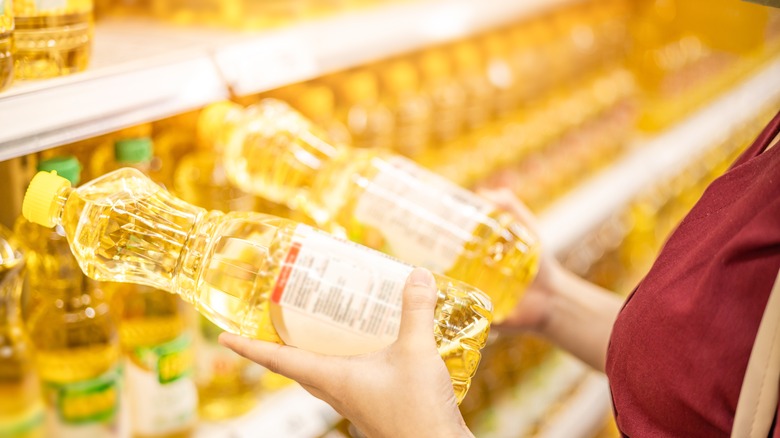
(571, 217)
(291, 413)
(152, 71)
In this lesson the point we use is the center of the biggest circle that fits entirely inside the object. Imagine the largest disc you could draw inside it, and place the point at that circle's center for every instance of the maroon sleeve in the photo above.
(680, 346)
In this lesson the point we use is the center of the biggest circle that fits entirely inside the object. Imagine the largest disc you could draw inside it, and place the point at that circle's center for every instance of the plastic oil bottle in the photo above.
(412, 110)
(208, 12)
(21, 407)
(228, 384)
(52, 38)
(74, 333)
(470, 72)
(317, 103)
(102, 154)
(272, 150)
(447, 97)
(6, 43)
(156, 343)
(251, 273)
(369, 121)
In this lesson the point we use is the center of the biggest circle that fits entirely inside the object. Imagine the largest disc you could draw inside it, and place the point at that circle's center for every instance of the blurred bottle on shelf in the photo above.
(73, 332)
(263, 14)
(471, 74)
(155, 338)
(228, 385)
(142, 234)
(412, 109)
(501, 73)
(370, 122)
(317, 102)
(374, 197)
(21, 407)
(51, 38)
(447, 97)
(6, 44)
(103, 153)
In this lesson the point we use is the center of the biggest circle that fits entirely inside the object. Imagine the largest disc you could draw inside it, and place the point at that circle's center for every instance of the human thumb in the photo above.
(419, 303)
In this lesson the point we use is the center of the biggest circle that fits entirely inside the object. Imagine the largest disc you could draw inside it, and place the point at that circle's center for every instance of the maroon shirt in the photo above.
(680, 346)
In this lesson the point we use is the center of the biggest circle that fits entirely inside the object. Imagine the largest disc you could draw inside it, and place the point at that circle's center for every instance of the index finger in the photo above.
(305, 367)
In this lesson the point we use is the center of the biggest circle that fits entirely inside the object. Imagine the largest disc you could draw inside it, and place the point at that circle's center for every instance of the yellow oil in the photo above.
(447, 97)
(369, 121)
(21, 408)
(52, 38)
(471, 74)
(412, 109)
(280, 155)
(6, 44)
(186, 12)
(156, 344)
(229, 265)
(73, 331)
(75, 338)
(317, 103)
(159, 361)
(228, 385)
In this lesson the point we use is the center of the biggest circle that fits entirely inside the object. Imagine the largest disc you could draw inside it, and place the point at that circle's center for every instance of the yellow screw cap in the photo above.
(41, 198)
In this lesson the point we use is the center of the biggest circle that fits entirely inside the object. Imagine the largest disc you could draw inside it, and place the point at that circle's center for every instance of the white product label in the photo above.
(336, 297)
(45, 5)
(425, 219)
(163, 396)
(86, 409)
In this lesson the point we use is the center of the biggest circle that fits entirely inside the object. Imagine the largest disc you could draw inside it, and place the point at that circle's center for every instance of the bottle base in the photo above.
(50, 46)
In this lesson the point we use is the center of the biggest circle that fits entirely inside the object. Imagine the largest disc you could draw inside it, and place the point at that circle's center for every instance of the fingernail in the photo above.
(421, 277)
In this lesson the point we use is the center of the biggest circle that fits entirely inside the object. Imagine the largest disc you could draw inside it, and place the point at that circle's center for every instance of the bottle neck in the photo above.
(193, 254)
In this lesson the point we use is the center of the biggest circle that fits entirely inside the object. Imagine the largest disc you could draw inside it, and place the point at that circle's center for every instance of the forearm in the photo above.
(580, 317)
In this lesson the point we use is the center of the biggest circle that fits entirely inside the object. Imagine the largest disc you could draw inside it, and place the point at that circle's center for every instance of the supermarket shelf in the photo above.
(591, 203)
(290, 413)
(143, 70)
(583, 414)
(519, 412)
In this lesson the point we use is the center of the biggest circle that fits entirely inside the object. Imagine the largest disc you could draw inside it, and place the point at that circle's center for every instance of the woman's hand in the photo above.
(570, 312)
(534, 310)
(403, 390)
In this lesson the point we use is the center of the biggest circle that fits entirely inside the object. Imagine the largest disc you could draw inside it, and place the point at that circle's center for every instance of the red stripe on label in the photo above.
(284, 274)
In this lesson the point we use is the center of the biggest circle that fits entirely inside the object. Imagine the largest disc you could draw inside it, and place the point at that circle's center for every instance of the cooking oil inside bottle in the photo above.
(6, 44)
(155, 339)
(370, 122)
(377, 199)
(412, 109)
(251, 273)
(228, 385)
(74, 334)
(52, 38)
(21, 407)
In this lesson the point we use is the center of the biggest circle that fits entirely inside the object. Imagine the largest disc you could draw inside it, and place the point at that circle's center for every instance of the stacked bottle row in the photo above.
(495, 109)
(686, 52)
(615, 256)
(621, 250)
(237, 14)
